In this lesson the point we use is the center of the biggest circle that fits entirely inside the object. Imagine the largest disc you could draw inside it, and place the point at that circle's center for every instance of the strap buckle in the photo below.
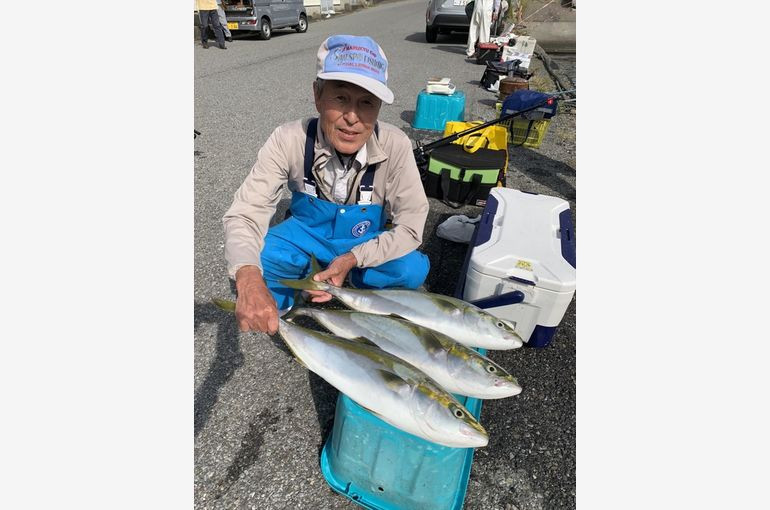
(365, 195)
(310, 188)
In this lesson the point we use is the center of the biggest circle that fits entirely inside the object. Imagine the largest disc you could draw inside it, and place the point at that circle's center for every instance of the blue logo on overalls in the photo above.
(360, 228)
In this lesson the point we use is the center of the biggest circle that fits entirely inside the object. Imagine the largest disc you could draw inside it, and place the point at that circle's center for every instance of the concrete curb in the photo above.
(553, 36)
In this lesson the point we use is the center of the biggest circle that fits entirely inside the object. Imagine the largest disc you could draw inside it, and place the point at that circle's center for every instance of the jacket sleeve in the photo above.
(248, 218)
(405, 197)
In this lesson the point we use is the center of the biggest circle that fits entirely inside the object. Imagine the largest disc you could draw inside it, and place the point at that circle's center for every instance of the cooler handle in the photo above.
(508, 298)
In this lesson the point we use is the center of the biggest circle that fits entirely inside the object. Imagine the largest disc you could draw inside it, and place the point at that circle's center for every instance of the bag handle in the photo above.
(473, 189)
(445, 189)
(481, 142)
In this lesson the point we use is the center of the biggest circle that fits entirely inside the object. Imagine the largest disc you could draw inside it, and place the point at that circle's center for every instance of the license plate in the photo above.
(458, 2)
(234, 26)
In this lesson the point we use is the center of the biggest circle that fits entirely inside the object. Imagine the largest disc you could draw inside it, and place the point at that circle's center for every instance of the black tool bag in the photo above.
(458, 177)
(495, 70)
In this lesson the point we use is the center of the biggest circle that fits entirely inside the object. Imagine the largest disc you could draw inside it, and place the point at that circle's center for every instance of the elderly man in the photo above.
(346, 171)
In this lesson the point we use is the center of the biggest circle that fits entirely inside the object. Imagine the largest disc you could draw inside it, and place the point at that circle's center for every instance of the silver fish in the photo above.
(385, 385)
(459, 320)
(459, 369)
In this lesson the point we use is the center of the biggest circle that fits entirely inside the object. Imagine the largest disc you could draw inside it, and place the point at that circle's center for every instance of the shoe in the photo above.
(205, 44)
(229, 39)
(222, 47)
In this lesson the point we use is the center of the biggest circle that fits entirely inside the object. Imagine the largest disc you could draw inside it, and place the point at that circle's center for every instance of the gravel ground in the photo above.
(260, 418)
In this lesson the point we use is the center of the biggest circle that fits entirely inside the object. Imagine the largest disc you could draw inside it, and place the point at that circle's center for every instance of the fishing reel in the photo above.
(422, 160)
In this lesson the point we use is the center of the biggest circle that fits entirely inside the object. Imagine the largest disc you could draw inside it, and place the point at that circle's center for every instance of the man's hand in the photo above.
(334, 274)
(255, 309)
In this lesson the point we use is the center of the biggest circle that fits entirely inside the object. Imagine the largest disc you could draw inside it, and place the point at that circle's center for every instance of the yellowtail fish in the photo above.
(459, 320)
(459, 369)
(388, 387)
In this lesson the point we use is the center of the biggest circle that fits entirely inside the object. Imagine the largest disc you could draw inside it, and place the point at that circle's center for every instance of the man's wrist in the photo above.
(351, 259)
(248, 275)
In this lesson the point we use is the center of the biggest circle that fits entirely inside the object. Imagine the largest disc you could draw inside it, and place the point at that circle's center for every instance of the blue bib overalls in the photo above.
(327, 230)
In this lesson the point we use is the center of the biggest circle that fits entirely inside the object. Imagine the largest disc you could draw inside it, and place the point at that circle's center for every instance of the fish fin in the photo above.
(315, 267)
(378, 415)
(365, 341)
(308, 283)
(393, 381)
(224, 304)
(397, 316)
(297, 311)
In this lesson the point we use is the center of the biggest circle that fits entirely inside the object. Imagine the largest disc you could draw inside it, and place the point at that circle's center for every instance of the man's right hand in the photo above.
(255, 308)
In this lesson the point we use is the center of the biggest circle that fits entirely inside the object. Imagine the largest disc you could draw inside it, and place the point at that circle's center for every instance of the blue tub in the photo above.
(383, 468)
(433, 111)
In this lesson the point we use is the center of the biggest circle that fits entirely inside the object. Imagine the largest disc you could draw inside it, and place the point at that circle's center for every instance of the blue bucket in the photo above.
(433, 111)
(383, 468)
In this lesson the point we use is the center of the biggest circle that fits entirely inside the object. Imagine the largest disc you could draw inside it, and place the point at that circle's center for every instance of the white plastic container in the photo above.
(525, 242)
(523, 50)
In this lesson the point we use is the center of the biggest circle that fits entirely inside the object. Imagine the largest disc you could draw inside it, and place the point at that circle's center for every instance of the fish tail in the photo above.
(224, 304)
(308, 283)
(297, 310)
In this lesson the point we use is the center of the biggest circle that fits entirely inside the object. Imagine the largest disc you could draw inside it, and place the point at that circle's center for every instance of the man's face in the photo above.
(347, 114)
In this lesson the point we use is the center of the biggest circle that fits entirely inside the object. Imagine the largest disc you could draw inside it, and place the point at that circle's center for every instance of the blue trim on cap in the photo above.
(357, 55)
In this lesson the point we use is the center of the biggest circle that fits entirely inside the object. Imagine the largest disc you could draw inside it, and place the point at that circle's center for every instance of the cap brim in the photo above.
(370, 84)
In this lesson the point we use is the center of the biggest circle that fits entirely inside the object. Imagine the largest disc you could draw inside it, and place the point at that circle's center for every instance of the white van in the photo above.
(264, 16)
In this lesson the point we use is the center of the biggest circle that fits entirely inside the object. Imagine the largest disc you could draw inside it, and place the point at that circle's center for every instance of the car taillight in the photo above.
(251, 22)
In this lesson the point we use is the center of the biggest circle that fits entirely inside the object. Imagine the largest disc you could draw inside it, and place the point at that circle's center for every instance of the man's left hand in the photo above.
(334, 274)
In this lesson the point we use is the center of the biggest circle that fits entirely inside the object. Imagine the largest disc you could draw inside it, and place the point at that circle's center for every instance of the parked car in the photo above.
(263, 16)
(446, 16)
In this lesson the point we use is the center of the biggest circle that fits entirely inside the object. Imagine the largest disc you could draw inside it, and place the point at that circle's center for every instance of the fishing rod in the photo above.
(422, 152)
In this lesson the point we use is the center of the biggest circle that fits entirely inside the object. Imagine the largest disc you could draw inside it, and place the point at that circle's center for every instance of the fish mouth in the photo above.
(515, 339)
(509, 387)
(476, 438)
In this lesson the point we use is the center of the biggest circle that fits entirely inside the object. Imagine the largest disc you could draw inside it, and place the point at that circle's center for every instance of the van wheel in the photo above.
(431, 33)
(302, 27)
(264, 30)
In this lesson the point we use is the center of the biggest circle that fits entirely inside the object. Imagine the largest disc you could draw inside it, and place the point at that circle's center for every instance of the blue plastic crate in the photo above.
(433, 111)
(383, 468)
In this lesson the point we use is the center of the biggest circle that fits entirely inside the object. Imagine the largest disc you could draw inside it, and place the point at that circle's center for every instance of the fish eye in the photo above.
(491, 369)
(500, 325)
(459, 413)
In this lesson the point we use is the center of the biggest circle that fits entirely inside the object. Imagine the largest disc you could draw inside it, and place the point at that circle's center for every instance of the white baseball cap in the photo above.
(355, 59)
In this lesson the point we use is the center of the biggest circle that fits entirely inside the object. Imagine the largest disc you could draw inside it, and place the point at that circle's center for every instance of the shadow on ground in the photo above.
(548, 172)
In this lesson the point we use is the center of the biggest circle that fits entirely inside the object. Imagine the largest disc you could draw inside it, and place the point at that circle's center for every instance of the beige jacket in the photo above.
(397, 185)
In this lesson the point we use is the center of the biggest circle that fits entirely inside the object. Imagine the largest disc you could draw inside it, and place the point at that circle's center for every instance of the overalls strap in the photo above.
(366, 187)
(367, 181)
(310, 184)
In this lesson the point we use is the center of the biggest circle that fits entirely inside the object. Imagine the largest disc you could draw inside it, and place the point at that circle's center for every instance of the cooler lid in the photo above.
(528, 238)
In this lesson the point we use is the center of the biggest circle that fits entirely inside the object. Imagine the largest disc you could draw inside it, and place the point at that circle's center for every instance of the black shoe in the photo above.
(205, 44)
(222, 46)
(229, 39)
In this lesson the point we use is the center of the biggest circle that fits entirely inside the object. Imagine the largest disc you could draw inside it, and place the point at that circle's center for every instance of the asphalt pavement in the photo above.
(261, 418)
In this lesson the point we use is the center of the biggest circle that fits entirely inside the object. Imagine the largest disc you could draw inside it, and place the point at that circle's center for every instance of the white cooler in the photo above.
(524, 242)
